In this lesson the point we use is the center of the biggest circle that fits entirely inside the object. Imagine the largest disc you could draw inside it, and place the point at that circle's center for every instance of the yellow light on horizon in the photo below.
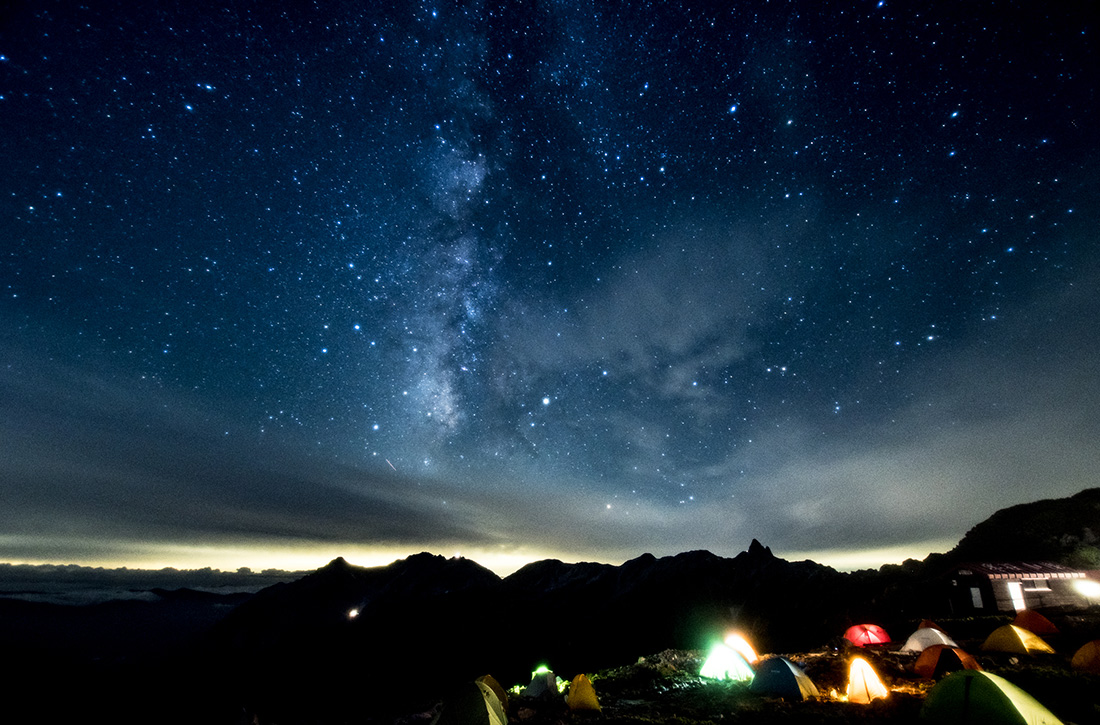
(258, 556)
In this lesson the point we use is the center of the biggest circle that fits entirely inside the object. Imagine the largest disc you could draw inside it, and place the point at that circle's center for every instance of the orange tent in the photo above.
(862, 635)
(939, 659)
(738, 643)
(1032, 621)
(1087, 658)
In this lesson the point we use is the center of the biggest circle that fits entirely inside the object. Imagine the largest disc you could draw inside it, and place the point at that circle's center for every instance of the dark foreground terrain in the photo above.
(192, 685)
(665, 688)
(347, 644)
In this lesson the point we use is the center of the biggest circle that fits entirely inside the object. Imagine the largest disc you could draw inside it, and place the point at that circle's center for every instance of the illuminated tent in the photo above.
(970, 696)
(725, 663)
(1015, 640)
(924, 638)
(474, 703)
(1087, 658)
(779, 677)
(936, 661)
(582, 696)
(862, 635)
(864, 684)
(543, 683)
(1032, 621)
(739, 643)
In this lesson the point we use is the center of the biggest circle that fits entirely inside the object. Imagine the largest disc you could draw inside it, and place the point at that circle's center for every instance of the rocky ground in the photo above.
(666, 688)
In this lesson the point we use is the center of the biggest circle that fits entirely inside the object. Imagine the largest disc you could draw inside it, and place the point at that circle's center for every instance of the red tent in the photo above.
(1034, 622)
(862, 635)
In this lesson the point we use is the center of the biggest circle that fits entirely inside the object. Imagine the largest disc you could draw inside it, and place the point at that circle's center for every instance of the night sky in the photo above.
(529, 279)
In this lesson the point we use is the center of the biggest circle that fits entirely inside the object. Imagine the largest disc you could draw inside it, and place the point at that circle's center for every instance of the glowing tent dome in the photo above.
(725, 663)
(738, 643)
(1015, 640)
(582, 696)
(864, 683)
(924, 638)
(970, 696)
(862, 635)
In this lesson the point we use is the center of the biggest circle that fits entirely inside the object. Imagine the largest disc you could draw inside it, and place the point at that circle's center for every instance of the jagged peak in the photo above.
(756, 549)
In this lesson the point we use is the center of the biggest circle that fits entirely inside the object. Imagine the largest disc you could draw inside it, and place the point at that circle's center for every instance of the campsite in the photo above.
(690, 638)
(842, 682)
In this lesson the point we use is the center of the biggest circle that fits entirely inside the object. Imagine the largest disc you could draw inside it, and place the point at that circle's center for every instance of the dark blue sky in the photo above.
(522, 280)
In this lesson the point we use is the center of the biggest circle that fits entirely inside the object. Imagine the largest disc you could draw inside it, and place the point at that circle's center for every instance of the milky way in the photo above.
(522, 280)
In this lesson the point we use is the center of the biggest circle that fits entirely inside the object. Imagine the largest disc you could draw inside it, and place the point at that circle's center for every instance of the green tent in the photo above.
(725, 663)
(978, 697)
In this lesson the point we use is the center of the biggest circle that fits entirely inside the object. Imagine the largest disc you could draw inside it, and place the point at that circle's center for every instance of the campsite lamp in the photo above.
(1088, 588)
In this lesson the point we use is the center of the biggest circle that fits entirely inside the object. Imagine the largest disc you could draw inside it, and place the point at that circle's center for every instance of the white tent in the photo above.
(924, 638)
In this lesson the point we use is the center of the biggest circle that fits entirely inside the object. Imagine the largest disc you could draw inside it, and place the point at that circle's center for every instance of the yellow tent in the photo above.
(1015, 640)
(472, 704)
(864, 683)
(491, 682)
(582, 696)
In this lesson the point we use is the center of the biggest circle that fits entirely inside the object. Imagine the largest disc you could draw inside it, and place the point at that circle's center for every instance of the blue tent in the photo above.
(779, 677)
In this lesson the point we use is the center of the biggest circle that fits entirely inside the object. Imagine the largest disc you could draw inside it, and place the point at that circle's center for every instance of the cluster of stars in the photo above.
(614, 249)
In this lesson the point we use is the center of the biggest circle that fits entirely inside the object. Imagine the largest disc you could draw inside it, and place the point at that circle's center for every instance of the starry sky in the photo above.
(286, 281)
